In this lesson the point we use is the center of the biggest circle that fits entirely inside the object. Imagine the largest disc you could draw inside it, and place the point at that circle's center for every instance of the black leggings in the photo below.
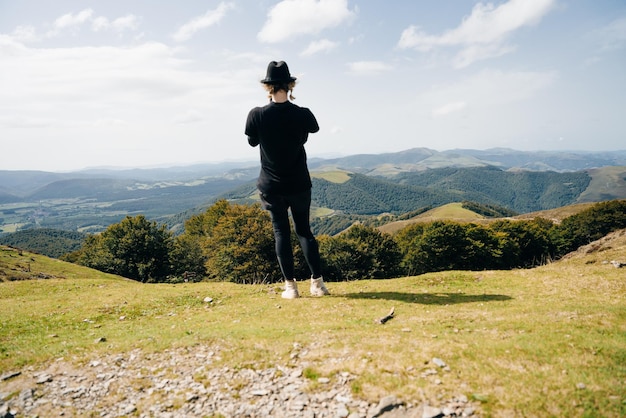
(299, 204)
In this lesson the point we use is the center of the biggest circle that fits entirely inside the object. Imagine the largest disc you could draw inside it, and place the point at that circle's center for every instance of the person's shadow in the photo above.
(438, 298)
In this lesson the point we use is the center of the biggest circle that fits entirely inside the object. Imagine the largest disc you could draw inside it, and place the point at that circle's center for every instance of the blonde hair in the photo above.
(275, 88)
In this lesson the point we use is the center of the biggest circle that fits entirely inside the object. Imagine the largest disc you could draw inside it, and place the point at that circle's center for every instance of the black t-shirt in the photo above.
(281, 130)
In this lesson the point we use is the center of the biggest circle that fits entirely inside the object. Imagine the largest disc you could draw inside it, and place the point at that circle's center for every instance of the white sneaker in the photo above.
(318, 288)
(291, 290)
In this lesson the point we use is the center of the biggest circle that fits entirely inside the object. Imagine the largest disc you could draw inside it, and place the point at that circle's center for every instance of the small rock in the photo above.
(431, 412)
(100, 340)
(468, 411)
(5, 412)
(581, 386)
(386, 404)
(261, 392)
(27, 395)
(44, 378)
(342, 412)
(129, 409)
(439, 362)
(10, 375)
(323, 380)
(342, 399)
(208, 300)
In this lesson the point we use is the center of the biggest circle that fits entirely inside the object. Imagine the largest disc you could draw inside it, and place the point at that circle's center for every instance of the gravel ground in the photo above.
(189, 383)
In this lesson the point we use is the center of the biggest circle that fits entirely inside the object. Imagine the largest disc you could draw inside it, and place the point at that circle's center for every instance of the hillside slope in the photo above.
(449, 212)
(456, 213)
(50, 242)
(79, 342)
(607, 183)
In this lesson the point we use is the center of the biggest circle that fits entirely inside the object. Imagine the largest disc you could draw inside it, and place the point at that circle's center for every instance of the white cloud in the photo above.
(368, 67)
(486, 90)
(116, 105)
(25, 34)
(69, 19)
(25, 122)
(449, 108)
(483, 32)
(612, 36)
(291, 18)
(73, 22)
(323, 45)
(128, 22)
(88, 83)
(191, 116)
(474, 53)
(196, 24)
(100, 23)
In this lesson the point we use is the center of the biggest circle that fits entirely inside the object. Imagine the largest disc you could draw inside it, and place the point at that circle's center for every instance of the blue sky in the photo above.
(154, 83)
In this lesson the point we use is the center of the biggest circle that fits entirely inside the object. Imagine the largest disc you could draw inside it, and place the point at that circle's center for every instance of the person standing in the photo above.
(280, 129)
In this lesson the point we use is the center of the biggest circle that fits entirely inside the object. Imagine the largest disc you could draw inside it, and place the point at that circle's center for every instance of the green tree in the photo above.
(237, 242)
(134, 248)
(528, 242)
(361, 252)
(408, 239)
(442, 246)
(445, 245)
(589, 225)
(187, 259)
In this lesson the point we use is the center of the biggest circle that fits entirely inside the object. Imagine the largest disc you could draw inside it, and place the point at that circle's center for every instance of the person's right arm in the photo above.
(251, 129)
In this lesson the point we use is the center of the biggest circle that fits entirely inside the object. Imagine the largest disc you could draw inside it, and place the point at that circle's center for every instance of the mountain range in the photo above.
(364, 184)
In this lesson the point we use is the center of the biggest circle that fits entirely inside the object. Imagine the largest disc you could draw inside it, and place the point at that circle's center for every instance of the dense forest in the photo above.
(234, 242)
(51, 242)
(90, 205)
(522, 192)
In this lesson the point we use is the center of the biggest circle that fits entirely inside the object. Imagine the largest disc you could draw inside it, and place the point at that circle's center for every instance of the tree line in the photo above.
(234, 242)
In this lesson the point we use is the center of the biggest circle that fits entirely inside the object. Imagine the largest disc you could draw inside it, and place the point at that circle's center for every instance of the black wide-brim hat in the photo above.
(277, 73)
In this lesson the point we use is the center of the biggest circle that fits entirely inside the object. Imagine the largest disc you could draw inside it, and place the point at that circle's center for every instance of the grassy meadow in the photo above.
(550, 341)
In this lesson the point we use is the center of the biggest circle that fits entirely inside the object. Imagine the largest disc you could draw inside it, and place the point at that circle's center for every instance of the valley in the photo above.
(354, 186)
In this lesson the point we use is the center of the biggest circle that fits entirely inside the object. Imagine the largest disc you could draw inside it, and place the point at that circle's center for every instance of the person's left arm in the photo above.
(311, 122)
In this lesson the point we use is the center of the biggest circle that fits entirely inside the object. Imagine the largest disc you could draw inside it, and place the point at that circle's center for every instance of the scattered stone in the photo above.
(387, 317)
(100, 340)
(386, 404)
(260, 392)
(431, 412)
(617, 264)
(581, 386)
(5, 412)
(439, 362)
(43, 378)
(9, 375)
(208, 300)
(189, 382)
